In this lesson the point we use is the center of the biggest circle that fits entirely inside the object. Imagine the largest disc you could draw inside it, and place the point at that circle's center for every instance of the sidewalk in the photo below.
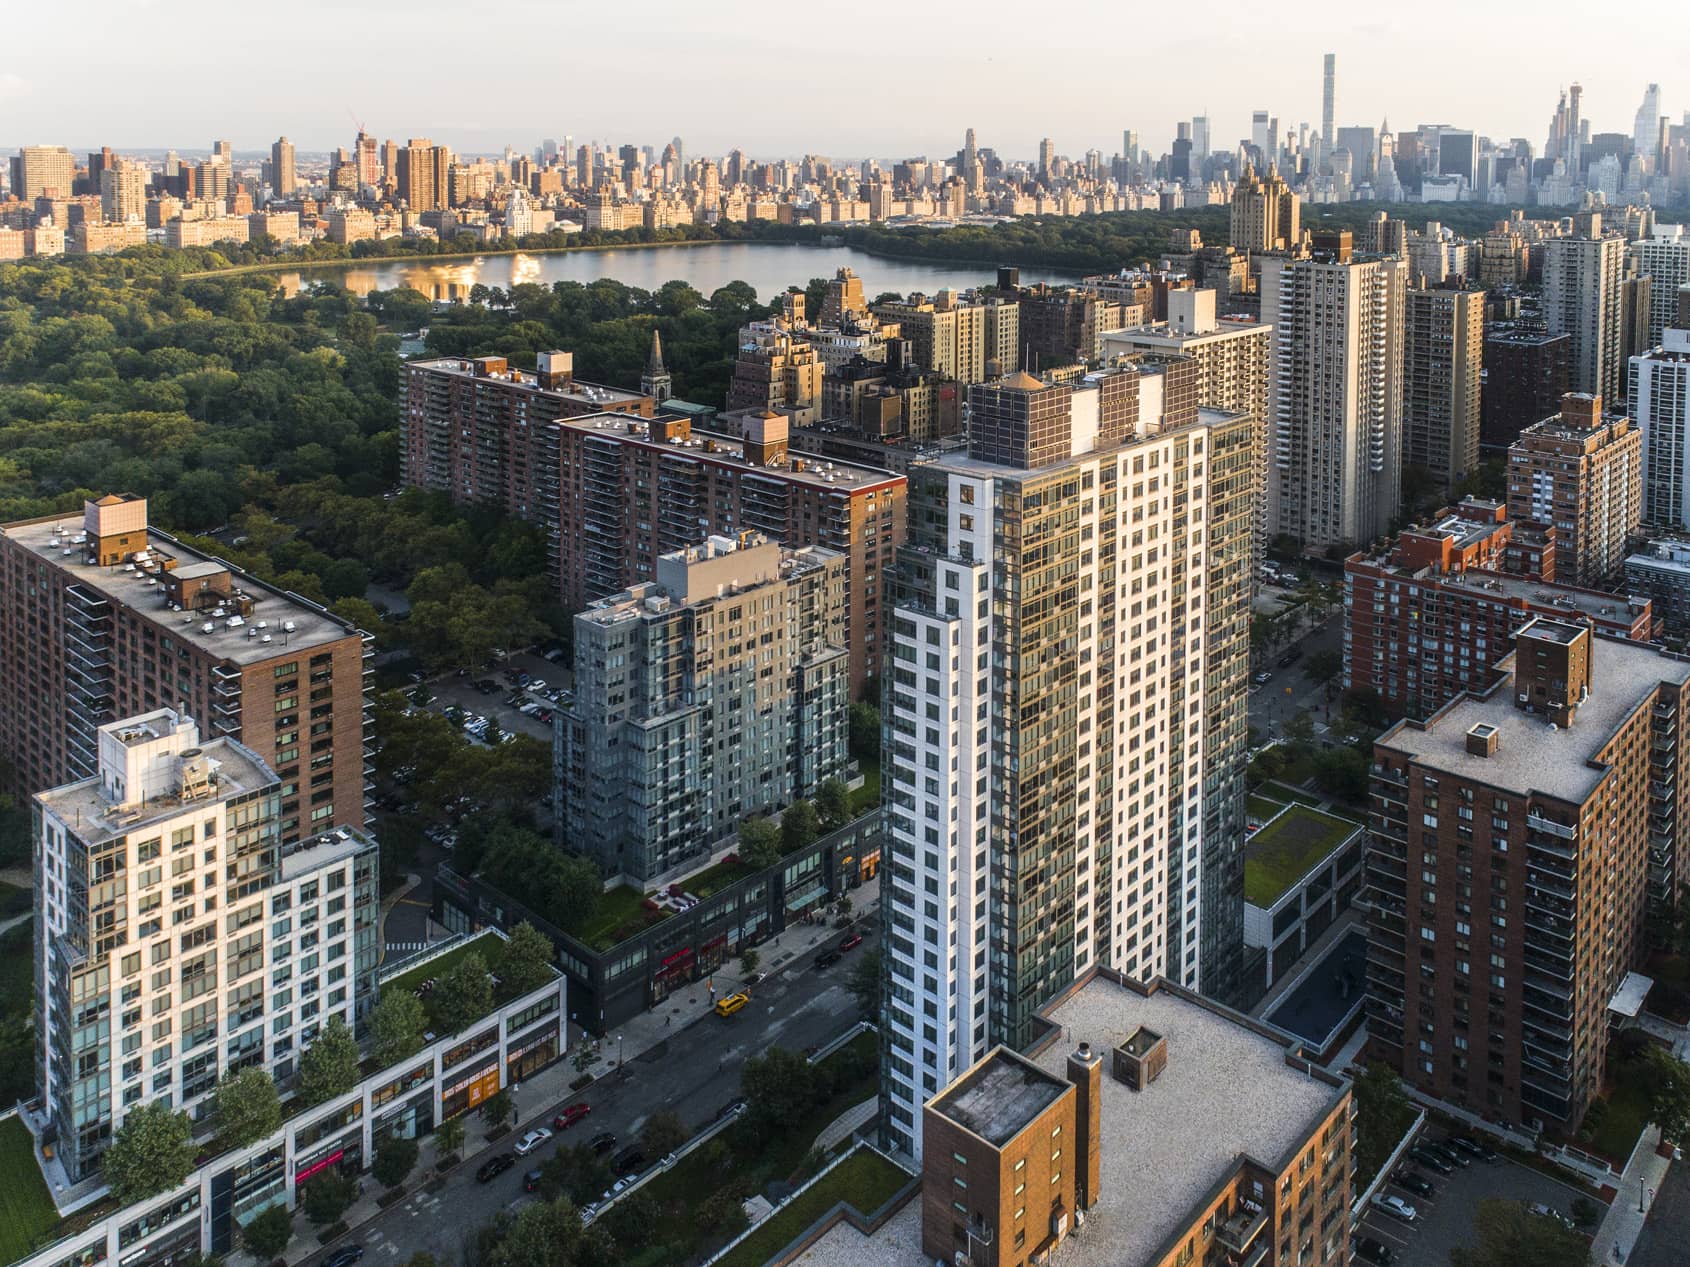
(1638, 1186)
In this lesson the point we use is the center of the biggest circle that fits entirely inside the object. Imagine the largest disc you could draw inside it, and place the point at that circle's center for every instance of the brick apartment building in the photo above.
(1519, 837)
(1429, 615)
(1525, 375)
(103, 617)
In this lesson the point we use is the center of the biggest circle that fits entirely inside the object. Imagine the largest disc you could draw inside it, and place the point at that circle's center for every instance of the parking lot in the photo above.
(1445, 1219)
(462, 691)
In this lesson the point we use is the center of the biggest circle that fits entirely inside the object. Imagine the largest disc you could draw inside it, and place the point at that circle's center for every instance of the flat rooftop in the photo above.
(1226, 1092)
(718, 449)
(577, 391)
(84, 807)
(290, 623)
(1595, 605)
(1531, 757)
(324, 850)
(1287, 848)
(999, 1097)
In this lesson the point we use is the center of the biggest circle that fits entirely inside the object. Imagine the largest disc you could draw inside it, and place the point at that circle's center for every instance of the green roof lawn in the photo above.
(490, 948)
(26, 1208)
(865, 1179)
(1281, 853)
(1261, 808)
(620, 914)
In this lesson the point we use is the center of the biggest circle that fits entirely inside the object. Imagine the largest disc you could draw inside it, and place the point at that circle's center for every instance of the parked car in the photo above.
(827, 959)
(344, 1257)
(1263, 678)
(493, 1167)
(1453, 1156)
(571, 1114)
(616, 1189)
(1372, 1251)
(1418, 1184)
(531, 1180)
(851, 942)
(1395, 1206)
(1431, 1160)
(1543, 1211)
(529, 1142)
(1289, 658)
(602, 1143)
(731, 1109)
(629, 1160)
(1478, 1150)
(487, 686)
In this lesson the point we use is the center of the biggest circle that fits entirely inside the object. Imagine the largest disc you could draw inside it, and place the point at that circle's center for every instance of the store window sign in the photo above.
(300, 1176)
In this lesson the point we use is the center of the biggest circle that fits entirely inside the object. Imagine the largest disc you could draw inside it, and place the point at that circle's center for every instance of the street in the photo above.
(1290, 689)
(694, 1073)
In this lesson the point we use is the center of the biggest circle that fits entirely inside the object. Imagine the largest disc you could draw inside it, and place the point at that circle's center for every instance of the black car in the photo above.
(602, 1143)
(1418, 1184)
(1430, 1158)
(628, 1160)
(1372, 1251)
(827, 959)
(1466, 1144)
(487, 686)
(493, 1167)
(1289, 658)
(1454, 1156)
(531, 1180)
(344, 1257)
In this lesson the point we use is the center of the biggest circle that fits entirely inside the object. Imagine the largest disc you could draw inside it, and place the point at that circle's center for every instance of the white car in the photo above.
(1395, 1206)
(529, 1142)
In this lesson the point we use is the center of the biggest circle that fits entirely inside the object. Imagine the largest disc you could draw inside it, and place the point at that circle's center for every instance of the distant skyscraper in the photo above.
(1047, 159)
(1443, 350)
(1259, 135)
(282, 179)
(38, 169)
(1646, 130)
(123, 190)
(367, 155)
(1665, 256)
(1337, 392)
(1328, 134)
(1200, 136)
(1581, 297)
(416, 178)
(1266, 215)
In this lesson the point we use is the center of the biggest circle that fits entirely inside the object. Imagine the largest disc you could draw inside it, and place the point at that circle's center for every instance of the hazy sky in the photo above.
(837, 78)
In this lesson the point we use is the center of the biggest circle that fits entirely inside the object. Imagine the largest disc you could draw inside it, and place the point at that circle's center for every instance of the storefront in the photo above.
(468, 1090)
(404, 1108)
(242, 1193)
(673, 972)
(345, 1153)
(531, 1052)
(175, 1246)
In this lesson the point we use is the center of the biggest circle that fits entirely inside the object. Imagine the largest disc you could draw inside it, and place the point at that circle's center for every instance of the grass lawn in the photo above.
(865, 1179)
(1291, 795)
(1277, 857)
(26, 1209)
(490, 948)
(1261, 808)
(619, 915)
(1627, 1114)
(14, 900)
(715, 879)
(867, 796)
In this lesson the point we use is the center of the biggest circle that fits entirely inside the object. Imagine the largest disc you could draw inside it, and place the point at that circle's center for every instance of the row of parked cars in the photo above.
(1442, 1158)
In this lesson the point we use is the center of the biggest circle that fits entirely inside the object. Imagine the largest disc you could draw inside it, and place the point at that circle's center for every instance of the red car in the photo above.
(572, 1113)
(851, 942)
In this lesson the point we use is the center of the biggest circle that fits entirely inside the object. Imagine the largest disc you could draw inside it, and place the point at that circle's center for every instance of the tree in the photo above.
(269, 1233)
(527, 964)
(1300, 727)
(864, 731)
(748, 961)
(798, 826)
(449, 1137)
(465, 993)
(497, 1109)
(152, 1152)
(759, 843)
(864, 981)
(396, 1027)
(577, 1173)
(1509, 1236)
(327, 1196)
(1324, 666)
(723, 1213)
(1666, 1082)
(1586, 1213)
(780, 1086)
(329, 1066)
(663, 1133)
(833, 804)
(1383, 1114)
(246, 1106)
(395, 1158)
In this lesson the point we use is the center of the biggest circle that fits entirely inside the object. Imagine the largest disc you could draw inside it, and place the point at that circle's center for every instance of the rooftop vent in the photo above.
(1482, 739)
(1140, 1060)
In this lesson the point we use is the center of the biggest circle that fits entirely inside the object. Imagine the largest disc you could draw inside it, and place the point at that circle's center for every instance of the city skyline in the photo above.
(154, 89)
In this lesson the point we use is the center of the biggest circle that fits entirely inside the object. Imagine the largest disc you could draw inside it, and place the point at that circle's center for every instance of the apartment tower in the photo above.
(1660, 404)
(1581, 298)
(1443, 358)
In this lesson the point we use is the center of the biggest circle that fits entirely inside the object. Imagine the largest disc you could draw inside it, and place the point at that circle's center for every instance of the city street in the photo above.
(1290, 690)
(695, 1072)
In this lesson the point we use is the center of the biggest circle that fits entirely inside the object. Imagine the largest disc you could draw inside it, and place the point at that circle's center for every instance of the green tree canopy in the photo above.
(328, 1195)
(395, 1159)
(527, 964)
(759, 843)
(152, 1152)
(1509, 1236)
(799, 825)
(780, 1087)
(465, 994)
(663, 1133)
(396, 1027)
(833, 804)
(246, 1106)
(329, 1066)
(269, 1233)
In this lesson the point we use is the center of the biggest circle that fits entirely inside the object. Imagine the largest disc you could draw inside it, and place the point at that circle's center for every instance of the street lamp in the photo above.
(619, 1051)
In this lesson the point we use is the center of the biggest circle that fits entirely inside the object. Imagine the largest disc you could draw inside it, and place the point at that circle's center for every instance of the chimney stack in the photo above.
(1085, 1071)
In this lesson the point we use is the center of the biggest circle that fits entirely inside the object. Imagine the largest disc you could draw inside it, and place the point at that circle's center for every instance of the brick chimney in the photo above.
(1085, 1071)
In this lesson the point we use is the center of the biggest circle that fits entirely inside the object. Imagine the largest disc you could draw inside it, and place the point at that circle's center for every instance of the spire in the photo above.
(654, 362)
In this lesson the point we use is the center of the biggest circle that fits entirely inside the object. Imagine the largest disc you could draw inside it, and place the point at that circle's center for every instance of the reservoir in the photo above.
(768, 268)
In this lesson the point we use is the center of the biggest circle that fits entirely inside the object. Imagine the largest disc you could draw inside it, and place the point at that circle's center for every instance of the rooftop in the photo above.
(1293, 842)
(575, 389)
(324, 851)
(278, 623)
(1531, 757)
(85, 807)
(999, 1096)
(729, 451)
(1594, 605)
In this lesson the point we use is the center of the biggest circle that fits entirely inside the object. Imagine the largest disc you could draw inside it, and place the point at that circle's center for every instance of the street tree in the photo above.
(780, 1086)
(395, 1159)
(246, 1106)
(663, 1133)
(449, 1137)
(577, 1173)
(1666, 1081)
(152, 1152)
(864, 982)
(396, 1027)
(328, 1194)
(329, 1066)
(269, 1233)
(496, 1109)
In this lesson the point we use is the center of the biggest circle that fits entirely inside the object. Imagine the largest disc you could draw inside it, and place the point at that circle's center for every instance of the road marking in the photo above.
(372, 1234)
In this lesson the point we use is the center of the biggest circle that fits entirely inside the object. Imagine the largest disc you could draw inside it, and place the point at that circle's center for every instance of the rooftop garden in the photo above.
(1281, 853)
(618, 914)
(27, 1215)
(506, 968)
(865, 1179)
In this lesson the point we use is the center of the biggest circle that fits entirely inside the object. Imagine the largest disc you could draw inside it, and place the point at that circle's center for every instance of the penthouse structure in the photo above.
(1143, 1126)
(481, 431)
(166, 907)
(1582, 472)
(631, 490)
(1519, 837)
(1661, 571)
(1428, 616)
(103, 616)
(717, 691)
(1048, 652)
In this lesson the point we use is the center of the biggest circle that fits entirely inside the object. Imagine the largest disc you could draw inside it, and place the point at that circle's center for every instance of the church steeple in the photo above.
(655, 382)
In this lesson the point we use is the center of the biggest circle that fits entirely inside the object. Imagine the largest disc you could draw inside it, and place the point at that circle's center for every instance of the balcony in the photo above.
(1242, 1228)
(1538, 822)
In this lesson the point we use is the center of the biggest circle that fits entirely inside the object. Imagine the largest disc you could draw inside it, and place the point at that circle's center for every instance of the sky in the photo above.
(832, 78)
